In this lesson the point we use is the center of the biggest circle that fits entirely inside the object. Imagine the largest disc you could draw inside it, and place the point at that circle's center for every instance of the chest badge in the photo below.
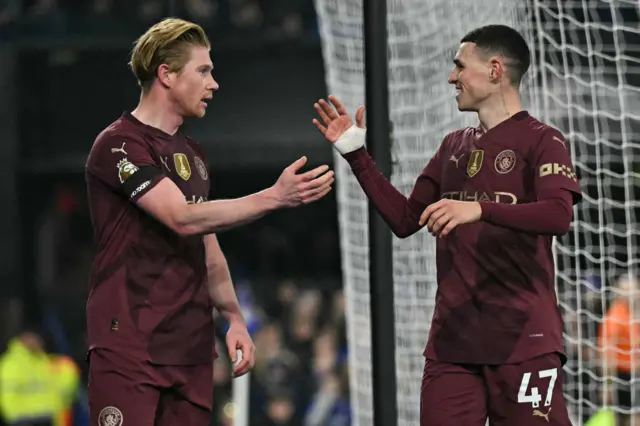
(183, 168)
(475, 162)
(201, 168)
(505, 161)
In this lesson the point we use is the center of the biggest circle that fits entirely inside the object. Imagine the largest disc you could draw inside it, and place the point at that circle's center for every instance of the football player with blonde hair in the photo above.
(159, 270)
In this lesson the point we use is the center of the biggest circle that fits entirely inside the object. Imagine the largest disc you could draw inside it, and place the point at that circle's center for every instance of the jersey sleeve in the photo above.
(553, 167)
(125, 164)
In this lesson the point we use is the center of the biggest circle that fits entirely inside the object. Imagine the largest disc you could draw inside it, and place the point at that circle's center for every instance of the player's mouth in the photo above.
(205, 101)
(458, 92)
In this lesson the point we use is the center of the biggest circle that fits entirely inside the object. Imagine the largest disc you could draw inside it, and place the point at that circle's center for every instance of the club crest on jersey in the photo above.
(475, 162)
(125, 169)
(183, 168)
(505, 161)
(201, 168)
(110, 416)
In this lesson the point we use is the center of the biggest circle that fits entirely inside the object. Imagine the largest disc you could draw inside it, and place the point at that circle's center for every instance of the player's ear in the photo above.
(165, 76)
(496, 70)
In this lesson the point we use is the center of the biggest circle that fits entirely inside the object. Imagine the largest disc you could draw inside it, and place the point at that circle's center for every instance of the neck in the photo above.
(155, 110)
(504, 105)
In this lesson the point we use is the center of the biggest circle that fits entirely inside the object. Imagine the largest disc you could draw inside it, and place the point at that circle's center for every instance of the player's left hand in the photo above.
(238, 338)
(443, 216)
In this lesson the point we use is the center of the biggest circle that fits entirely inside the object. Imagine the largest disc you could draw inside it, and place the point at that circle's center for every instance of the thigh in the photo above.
(529, 393)
(121, 391)
(175, 410)
(190, 400)
(452, 395)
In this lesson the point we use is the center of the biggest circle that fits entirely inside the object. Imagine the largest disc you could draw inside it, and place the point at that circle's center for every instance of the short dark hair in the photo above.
(505, 41)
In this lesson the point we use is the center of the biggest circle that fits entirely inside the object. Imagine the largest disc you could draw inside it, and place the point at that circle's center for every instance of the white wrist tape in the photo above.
(351, 140)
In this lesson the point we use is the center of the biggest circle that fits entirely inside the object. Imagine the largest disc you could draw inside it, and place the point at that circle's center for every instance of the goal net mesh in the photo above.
(583, 81)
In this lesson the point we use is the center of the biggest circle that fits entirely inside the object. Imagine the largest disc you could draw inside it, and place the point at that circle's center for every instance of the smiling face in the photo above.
(473, 76)
(192, 87)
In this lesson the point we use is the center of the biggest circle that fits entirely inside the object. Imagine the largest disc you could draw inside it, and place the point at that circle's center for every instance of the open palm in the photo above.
(335, 119)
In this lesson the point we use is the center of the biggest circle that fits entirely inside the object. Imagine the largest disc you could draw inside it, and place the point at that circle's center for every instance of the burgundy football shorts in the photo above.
(524, 394)
(124, 391)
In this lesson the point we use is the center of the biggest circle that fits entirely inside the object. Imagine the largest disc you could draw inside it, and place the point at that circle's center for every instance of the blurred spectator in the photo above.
(29, 393)
(303, 324)
(280, 411)
(277, 368)
(620, 340)
(282, 306)
(330, 406)
(325, 355)
(66, 376)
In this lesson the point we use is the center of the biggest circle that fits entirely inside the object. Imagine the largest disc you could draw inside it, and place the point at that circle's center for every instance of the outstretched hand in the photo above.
(335, 118)
(294, 189)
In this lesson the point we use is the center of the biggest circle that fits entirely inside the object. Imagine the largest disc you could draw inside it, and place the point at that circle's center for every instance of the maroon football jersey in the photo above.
(148, 284)
(496, 301)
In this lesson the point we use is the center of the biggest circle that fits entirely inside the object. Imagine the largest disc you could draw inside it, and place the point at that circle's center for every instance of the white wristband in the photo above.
(351, 140)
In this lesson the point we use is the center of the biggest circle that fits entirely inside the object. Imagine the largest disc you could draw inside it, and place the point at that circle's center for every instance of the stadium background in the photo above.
(63, 77)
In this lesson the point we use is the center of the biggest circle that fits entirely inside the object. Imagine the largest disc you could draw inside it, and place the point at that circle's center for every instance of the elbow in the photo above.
(561, 227)
(402, 233)
(404, 230)
(562, 221)
(183, 224)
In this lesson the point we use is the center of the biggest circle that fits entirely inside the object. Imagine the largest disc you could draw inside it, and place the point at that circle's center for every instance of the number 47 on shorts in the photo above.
(526, 395)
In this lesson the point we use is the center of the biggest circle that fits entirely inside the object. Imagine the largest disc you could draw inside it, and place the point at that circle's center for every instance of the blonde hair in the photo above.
(167, 42)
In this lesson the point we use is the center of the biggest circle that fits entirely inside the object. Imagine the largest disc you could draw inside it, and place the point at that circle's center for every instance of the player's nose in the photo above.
(213, 85)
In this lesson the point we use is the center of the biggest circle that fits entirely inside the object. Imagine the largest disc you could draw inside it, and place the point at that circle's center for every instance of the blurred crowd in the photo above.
(300, 376)
(277, 19)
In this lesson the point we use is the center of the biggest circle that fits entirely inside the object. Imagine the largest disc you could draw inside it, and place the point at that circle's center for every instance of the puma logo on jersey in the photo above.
(538, 413)
(163, 160)
(456, 160)
(121, 149)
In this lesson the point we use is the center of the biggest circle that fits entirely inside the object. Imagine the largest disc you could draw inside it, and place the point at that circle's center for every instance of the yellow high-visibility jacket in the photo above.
(27, 386)
(603, 417)
(66, 376)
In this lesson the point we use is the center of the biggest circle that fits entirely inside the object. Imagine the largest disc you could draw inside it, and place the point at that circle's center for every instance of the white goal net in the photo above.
(589, 57)
(583, 81)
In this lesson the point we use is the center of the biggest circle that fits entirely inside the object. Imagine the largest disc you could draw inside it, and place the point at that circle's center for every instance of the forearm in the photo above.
(222, 292)
(392, 205)
(221, 215)
(550, 216)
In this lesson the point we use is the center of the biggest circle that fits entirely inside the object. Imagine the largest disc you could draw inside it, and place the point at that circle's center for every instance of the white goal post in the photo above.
(584, 81)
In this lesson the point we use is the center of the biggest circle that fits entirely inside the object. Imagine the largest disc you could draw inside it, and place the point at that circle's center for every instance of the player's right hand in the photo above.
(294, 189)
(335, 118)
